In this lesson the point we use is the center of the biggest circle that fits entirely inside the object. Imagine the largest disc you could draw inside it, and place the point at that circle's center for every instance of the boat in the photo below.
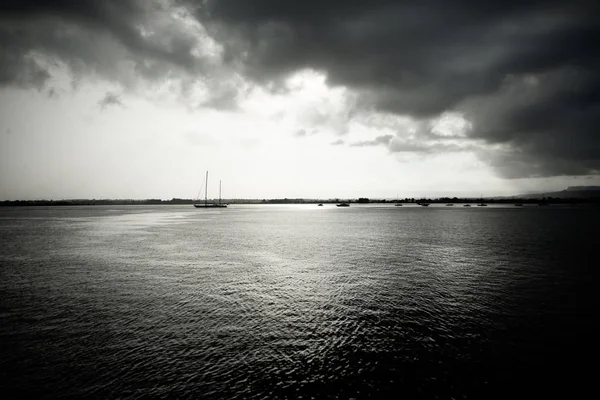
(423, 204)
(519, 204)
(481, 204)
(398, 204)
(466, 205)
(206, 204)
(320, 204)
(450, 205)
(344, 204)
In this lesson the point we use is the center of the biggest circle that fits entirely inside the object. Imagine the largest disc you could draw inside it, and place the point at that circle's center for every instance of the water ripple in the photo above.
(264, 302)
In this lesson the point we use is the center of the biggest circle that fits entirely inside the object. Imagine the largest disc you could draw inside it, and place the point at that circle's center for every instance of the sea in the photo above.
(298, 301)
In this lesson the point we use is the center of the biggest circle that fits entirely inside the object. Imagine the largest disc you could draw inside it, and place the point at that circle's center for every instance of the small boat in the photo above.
(343, 205)
(206, 204)
(320, 205)
(518, 204)
(423, 204)
(482, 204)
(398, 204)
(449, 205)
(466, 205)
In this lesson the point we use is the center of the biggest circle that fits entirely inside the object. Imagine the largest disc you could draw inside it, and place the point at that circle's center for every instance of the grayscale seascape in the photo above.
(316, 199)
(296, 301)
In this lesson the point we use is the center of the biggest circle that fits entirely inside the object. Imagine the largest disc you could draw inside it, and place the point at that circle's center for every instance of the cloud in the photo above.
(133, 43)
(547, 124)
(426, 58)
(379, 140)
(429, 147)
(52, 92)
(523, 74)
(110, 99)
(419, 144)
(21, 70)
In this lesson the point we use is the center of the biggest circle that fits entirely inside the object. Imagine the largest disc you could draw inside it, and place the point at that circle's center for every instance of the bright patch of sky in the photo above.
(82, 143)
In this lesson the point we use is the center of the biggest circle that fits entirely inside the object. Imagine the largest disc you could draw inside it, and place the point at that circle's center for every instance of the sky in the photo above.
(315, 99)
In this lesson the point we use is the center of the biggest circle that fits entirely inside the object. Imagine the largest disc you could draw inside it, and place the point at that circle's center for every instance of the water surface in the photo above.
(288, 301)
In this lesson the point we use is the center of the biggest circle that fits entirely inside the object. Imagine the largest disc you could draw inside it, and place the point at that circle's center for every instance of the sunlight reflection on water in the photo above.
(287, 300)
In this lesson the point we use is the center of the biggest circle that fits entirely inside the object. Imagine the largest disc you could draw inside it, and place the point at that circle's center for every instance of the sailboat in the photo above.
(482, 204)
(398, 204)
(206, 204)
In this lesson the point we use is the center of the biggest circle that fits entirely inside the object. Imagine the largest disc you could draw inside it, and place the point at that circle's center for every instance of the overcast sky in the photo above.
(137, 99)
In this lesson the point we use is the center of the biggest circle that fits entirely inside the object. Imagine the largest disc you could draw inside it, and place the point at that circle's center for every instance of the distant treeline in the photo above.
(361, 200)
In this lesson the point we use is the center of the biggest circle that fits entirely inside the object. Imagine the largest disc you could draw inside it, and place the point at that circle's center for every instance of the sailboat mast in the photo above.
(206, 190)
(219, 192)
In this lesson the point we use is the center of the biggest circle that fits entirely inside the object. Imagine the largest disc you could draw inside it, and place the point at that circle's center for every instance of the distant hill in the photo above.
(572, 192)
(582, 188)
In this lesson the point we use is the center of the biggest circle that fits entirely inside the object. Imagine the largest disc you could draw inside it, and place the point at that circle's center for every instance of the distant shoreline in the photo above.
(444, 200)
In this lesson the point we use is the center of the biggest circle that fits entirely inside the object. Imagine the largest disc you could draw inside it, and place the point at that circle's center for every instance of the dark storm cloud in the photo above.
(550, 122)
(524, 72)
(115, 40)
(421, 58)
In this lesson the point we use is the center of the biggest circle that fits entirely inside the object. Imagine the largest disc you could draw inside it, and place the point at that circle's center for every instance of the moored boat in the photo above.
(206, 204)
